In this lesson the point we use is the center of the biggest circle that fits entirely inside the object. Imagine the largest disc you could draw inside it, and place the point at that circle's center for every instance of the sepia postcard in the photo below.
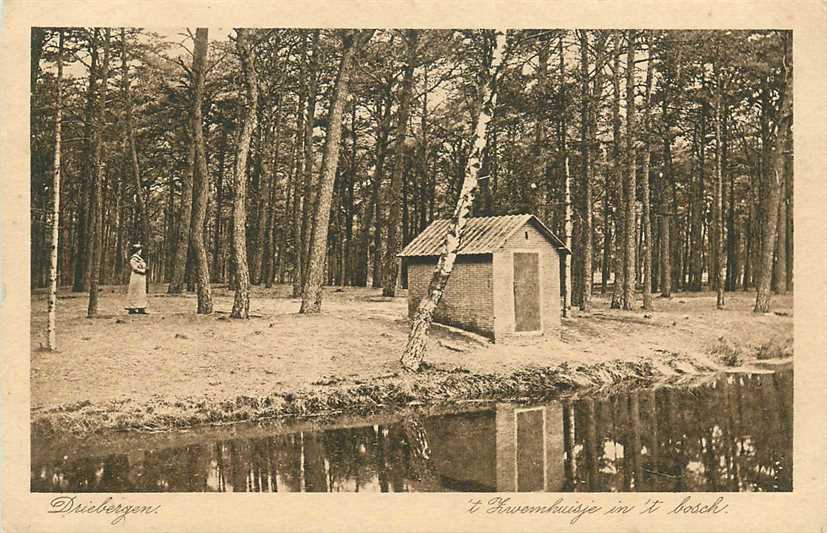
(502, 266)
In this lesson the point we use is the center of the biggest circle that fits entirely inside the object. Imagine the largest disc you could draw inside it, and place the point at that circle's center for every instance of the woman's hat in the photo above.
(137, 246)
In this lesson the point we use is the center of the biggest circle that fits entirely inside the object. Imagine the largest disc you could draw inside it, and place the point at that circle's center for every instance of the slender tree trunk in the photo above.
(379, 174)
(718, 234)
(266, 191)
(732, 244)
(646, 221)
(267, 257)
(780, 267)
(585, 166)
(140, 192)
(789, 196)
(298, 200)
(619, 218)
(375, 208)
(219, 206)
(54, 218)
(607, 229)
(775, 182)
(85, 211)
(312, 293)
(567, 207)
(309, 202)
(121, 225)
(241, 301)
(482, 112)
(179, 264)
(96, 235)
(390, 267)
(201, 185)
(629, 182)
(349, 207)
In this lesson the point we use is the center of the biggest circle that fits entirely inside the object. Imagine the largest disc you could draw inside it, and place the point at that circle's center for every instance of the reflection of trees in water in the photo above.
(734, 433)
(374, 458)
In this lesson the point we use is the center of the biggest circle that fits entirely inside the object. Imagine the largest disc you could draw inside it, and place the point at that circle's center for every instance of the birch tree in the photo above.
(55, 211)
(481, 113)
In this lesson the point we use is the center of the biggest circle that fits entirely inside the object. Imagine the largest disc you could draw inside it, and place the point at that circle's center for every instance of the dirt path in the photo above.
(174, 368)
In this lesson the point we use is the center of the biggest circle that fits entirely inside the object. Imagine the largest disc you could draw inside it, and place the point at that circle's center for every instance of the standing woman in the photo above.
(136, 294)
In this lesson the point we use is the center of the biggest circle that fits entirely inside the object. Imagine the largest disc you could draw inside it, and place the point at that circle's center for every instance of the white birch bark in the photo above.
(51, 332)
(486, 102)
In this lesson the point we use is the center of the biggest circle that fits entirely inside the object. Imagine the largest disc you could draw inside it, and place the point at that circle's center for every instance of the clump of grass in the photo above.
(776, 348)
(727, 353)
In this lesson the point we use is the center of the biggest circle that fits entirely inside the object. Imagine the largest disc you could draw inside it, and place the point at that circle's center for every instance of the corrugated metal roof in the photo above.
(482, 235)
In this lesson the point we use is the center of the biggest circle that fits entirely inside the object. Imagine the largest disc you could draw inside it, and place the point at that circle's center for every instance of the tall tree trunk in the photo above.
(585, 167)
(312, 293)
(379, 206)
(267, 257)
(310, 192)
(85, 211)
(219, 205)
(374, 210)
(347, 277)
(265, 193)
(241, 301)
(482, 112)
(619, 218)
(775, 181)
(629, 182)
(96, 233)
(182, 242)
(646, 221)
(567, 207)
(390, 267)
(201, 185)
(789, 196)
(666, 245)
(54, 214)
(140, 192)
(732, 266)
(718, 200)
(605, 266)
(298, 200)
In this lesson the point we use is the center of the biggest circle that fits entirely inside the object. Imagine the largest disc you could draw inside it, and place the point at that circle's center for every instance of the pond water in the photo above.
(732, 433)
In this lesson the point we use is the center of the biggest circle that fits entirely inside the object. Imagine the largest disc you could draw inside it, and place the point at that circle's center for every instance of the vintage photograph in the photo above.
(411, 260)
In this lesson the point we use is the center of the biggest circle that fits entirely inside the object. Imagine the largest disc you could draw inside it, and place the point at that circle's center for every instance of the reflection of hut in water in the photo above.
(508, 449)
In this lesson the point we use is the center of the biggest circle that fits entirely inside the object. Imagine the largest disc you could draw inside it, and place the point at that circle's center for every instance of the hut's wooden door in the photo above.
(527, 291)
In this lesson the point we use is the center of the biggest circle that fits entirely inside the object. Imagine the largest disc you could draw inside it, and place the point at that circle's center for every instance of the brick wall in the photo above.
(468, 300)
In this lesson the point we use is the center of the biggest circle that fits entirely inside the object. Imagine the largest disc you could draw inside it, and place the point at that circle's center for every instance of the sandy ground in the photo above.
(120, 363)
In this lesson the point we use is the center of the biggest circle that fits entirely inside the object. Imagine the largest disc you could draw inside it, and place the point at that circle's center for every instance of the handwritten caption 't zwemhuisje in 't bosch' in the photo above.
(576, 510)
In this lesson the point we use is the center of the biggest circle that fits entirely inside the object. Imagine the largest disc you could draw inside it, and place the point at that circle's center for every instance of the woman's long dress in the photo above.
(136, 294)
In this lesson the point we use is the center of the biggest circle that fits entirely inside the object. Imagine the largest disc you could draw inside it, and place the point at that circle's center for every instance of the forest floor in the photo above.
(173, 368)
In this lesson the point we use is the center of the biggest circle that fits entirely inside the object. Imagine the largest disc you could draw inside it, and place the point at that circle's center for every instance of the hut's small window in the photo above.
(526, 235)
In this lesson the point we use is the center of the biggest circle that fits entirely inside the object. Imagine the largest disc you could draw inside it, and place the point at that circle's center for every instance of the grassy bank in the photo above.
(174, 369)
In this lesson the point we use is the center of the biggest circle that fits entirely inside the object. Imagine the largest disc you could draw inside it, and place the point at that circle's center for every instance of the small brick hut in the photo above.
(505, 282)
